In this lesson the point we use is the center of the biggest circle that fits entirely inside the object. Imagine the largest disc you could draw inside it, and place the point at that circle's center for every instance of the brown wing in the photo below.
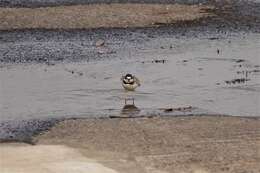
(137, 81)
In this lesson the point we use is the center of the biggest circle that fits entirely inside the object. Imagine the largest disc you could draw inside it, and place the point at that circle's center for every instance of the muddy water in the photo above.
(213, 75)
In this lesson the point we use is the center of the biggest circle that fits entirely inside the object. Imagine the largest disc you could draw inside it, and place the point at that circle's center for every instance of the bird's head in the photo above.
(128, 79)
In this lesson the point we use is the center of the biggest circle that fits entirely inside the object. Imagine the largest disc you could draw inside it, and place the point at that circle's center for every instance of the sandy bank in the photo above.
(181, 144)
(21, 158)
(96, 16)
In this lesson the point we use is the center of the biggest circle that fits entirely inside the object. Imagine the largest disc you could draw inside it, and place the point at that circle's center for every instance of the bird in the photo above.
(130, 82)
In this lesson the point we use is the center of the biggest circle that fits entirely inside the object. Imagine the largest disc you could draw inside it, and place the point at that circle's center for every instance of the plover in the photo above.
(130, 82)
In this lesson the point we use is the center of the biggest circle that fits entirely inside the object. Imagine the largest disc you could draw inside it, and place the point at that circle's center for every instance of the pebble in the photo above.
(100, 43)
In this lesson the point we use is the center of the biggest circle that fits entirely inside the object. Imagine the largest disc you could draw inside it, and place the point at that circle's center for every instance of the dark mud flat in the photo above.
(54, 46)
(23, 131)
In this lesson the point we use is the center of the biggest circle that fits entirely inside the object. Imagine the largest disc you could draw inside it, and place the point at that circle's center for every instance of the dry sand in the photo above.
(21, 158)
(203, 144)
(98, 15)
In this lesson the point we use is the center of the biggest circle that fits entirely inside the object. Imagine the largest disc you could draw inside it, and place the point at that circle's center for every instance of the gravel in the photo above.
(24, 130)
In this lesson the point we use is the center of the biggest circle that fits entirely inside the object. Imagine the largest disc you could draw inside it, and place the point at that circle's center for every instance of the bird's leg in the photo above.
(133, 100)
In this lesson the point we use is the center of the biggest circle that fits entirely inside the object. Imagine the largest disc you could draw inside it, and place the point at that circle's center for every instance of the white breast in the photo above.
(130, 87)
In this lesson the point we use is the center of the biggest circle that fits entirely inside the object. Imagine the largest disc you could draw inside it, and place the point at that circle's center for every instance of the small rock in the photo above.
(228, 82)
(168, 110)
(100, 43)
(239, 80)
(159, 61)
(213, 38)
(240, 60)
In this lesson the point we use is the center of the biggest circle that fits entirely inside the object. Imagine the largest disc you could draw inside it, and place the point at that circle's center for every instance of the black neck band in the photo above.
(131, 83)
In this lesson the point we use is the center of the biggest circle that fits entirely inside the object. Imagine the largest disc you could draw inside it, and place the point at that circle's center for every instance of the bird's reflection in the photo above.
(130, 109)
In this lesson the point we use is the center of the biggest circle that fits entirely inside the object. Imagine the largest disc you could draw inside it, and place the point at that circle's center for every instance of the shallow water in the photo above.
(194, 74)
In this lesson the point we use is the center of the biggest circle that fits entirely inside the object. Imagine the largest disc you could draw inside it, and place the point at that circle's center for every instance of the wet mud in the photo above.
(23, 131)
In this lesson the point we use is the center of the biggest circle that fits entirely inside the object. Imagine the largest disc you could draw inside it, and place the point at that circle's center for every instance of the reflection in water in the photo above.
(130, 109)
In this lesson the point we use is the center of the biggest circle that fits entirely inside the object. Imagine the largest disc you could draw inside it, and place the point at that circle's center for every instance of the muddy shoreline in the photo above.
(171, 144)
(25, 131)
(76, 41)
